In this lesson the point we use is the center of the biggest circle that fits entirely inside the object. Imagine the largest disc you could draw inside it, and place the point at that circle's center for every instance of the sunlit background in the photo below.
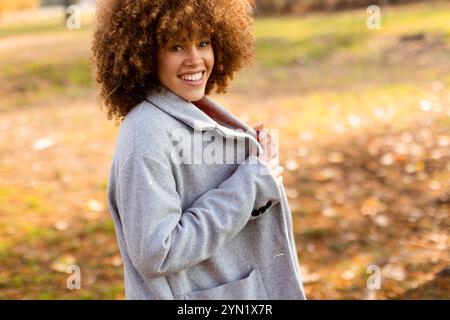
(363, 109)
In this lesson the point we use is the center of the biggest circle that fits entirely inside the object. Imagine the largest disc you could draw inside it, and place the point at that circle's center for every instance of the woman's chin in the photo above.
(193, 96)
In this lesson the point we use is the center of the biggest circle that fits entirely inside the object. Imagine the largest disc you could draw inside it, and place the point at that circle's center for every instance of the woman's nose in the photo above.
(194, 56)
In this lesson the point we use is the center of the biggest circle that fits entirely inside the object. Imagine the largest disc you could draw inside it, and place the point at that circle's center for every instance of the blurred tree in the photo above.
(17, 5)
(267, 7)
(51, 2)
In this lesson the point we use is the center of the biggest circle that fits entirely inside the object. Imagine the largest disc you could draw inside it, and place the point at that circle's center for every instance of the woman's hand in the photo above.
(270, 155)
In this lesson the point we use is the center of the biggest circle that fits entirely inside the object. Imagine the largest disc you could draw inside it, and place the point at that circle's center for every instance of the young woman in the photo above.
(198, 213)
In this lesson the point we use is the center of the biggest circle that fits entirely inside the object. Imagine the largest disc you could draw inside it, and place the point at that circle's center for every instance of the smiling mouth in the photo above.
(195, 81)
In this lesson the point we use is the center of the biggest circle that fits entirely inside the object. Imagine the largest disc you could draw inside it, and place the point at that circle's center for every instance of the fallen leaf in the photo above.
(306, 135)
(62, 263)
(387, 159)
(43, 143)
(291, 193)
(372, 206)
(381, 220)
(61, 225)
(95, 205)
(394, 271)
(335, 157)
(116, 261)
(328, 212)
(308, 277)
(291, 164)
(327, 174)
(425, 105)
(348, 275)
(354, 121)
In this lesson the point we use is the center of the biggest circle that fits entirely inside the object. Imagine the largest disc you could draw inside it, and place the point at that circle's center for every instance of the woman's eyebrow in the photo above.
(182, 42)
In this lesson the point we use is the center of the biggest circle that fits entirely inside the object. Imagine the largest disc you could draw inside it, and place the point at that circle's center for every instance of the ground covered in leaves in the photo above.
(363, 119)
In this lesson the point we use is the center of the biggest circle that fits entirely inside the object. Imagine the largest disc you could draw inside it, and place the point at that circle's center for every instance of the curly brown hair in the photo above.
(129, 34)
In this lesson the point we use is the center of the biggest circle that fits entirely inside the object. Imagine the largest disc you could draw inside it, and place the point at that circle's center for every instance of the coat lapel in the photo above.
(187, 112)
(190, 114)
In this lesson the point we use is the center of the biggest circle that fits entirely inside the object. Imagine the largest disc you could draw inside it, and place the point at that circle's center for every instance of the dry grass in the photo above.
(364, 134)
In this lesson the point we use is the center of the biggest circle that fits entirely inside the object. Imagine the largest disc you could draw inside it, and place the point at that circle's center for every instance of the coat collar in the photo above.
(183, 110)
(187, 112)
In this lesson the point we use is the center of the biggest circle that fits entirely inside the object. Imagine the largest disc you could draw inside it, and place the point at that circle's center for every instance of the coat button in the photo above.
(255, 213)
(268, 204)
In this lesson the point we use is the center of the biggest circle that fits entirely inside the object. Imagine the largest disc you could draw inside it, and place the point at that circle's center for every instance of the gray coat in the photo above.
(197, 230)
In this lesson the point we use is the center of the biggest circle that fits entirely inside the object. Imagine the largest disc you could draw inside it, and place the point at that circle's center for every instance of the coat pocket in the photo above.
(248, 288)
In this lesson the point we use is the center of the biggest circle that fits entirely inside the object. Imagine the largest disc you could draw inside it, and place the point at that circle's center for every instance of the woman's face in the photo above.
(184, 68)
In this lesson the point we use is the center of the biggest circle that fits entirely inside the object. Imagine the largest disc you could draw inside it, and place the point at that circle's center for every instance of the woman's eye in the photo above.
(204, 44)
(177, 48)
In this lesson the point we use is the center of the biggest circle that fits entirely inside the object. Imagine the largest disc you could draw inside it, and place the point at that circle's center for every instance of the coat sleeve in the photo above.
(160, 238)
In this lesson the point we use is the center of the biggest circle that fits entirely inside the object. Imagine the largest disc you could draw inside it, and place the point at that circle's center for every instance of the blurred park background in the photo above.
(364, 118)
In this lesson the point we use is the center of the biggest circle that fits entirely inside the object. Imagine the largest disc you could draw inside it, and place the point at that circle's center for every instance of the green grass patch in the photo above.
(40, 80)
(32, 28)
(317, 233)
(106, 225)
(58, 75)
(276, 52)
(35, 234)
(53, 25)
(280, 41)
(6, 246)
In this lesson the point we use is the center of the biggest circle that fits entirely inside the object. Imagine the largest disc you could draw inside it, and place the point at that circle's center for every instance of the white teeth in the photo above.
(192, 77)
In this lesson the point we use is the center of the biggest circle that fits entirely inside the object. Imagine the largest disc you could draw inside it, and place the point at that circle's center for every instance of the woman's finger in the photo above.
(273, 163)
(278, 171)
(265, 134)
(273, 151)
(260, 126)
(280, 180)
